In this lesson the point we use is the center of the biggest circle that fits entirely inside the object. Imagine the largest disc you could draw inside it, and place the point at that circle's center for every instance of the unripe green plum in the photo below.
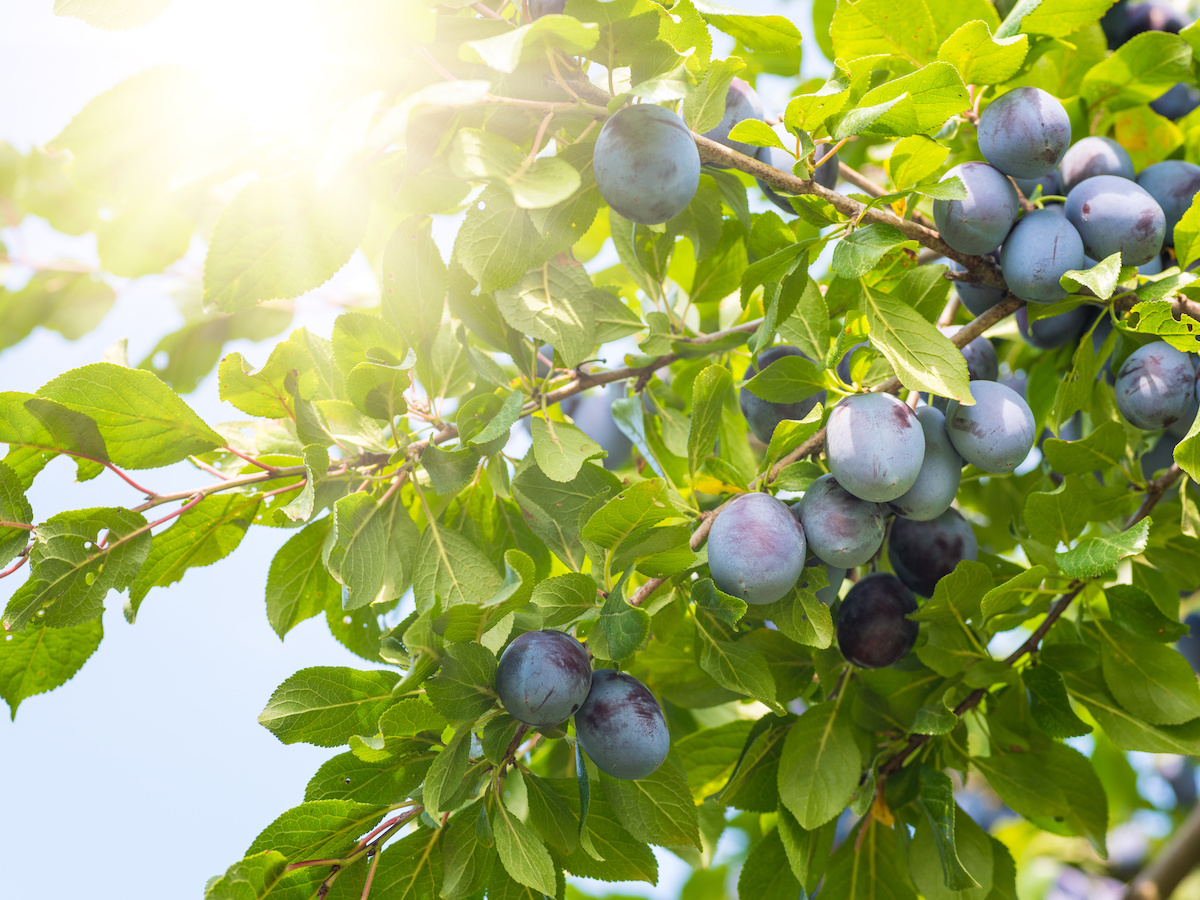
(756, 549)
(622, 727)
(646, 164)
(543, 677)
(873, 628)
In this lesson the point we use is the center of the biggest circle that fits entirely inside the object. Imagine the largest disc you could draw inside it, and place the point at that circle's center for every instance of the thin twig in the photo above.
(698, 537)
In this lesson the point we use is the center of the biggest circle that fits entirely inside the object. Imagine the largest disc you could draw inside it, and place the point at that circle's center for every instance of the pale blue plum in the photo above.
(1177, 102)
(756, 549)
(1041, 248)
(1173, 184)
(1115, 215)
(741, 103)
(977, 298)
(941, 471)
(1155, 386)
(997, 433)
(982, 363)
(979, 223)
(874, 445)
(646, 164)
(543, 677)
(1053, 331)
(1093, 156)
(1024, 133)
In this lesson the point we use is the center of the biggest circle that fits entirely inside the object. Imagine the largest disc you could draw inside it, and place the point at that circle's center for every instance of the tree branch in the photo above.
(1181, 854)
(698, 538)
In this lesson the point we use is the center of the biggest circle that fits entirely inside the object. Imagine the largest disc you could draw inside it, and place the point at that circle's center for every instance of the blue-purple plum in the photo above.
(622, 727)
(1114, 215)
(1189, 644)
(1177, 102)
(941, 471)
(873, 628)
(834, 575)
(539, 8)
(1041, 248)
(1053, 331)
(843, 366)
(997, 433)
(741, 103)
(756, 549)
(979, 223)
(1115, 23)
(1048, 183)
(977, 298)
(825, 174)
(922, 553)
(646, 164)
(1093, 156)
(874, 445)
(1024, 133)
(1173, 184)
(764, 416)
(1153, 15)
(593, 416)
(1155, 386)
(840, 529)
(982, 363)
(543, 677)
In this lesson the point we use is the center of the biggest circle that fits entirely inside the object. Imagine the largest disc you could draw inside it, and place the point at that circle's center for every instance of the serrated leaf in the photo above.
(630, 514)
(980, 58)
(914, 159)
(449, 566)
(708, 398)
(621, 629)
(937, 802)
(858, 253)
(14, 509)
(36, 430)
(298, 584)
(919, 102)
(1059, 515)
(447, 776)
(1004, 597)
(522, 852)
(766, 873)
(1134, 610)
(922, 357)
(820, 766)
(560, 448)
(1128, 731)
(551, 304)
(506, 51)
(1158, 317)
(1101, 279)
(1153, 682)
(1049, 704)
(325, 705)
(1096, 555)
(464, 689)
(658, 808)
(370, 549)
(251, 878)
(1138, 71)
(35, 660)
(263, 392)
(705, 105)
(1100, 450)
(869, 869)
(737, 668)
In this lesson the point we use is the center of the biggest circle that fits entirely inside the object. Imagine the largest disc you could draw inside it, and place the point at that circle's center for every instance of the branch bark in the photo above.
(1181, 854)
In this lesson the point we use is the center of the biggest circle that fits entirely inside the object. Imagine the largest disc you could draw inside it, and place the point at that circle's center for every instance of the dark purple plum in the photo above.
(833, 574)
(1053, 331)
(756, 549)
(875, 446)
(1115, 214)
(979, 223)
(825, 174)
(764, 416)
(941, 471)
(873, 628)
(646, 164)
(1155, 386)
(1189, 644)
(1115, 23)
(1024, 133)
(593, 416)
(539, 8)
(1040, 249)
(741, 103)
(977, 298)
(922, 553)
(980, 355)
(1093, 156)
(1173, 184)
(543, 678)
(843, 366)
(840, 529)
(997, 433)
(1154, 15)
(622, 727)
(1177, 102)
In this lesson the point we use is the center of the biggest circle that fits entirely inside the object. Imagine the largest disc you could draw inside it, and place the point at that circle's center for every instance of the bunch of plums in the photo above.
(545, 677)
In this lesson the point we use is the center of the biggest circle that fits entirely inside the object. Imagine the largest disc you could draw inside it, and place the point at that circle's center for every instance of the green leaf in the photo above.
(370, 548)
(414, 280)
(1060, 515)
(145, 239)
(560, 448)
(1138, 71)
(1187, 236)
(619, 856)
(915, 158)
(705, 105)
(1087, 805)
(1100, 450)
(409, 717)
(1094, 556)
(621, 630)
(15, 509)
(1101, 279)
(451, 568)
(346, 777)
(478, 155)
(1004, 597)
(498, 243)
(820, 766)
(464, 689)
(1056, 18)
(756, 133)
(768, 34)
(708, 756)
(915, 103)
(789, 379)
(630, 514)
(506, 51)
(869, 869)
(264, 392)
(281, 237)
(1153, 682)
(466, 860)
(922, 357)
(859, 253)
(446, 781)
(972, 878)
(766, 873)
(549, 815)
(70, 574)
(804, 618)
(143, 422)
(551, 304)
(36, 430)
(206, 533)
(522, 852)
(35, 660)
(325, 705)
(872, 28)
(298, 584)
(251, 878)
(937, 802)
(658, 808)
(1133, 609)
(982, 59)
(1049, 704)
(1158, 317)
(115, 15)
(552, 508)
(740, 669)
(708, 397)
(1128, 731)
(808, 112)
(409, 869)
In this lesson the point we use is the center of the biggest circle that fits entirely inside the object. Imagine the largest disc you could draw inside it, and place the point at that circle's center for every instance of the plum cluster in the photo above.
(545, 677)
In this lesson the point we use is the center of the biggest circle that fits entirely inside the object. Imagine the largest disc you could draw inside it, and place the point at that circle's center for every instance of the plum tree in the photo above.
(764, 416)
(941, 471)
(979, 354)
(874, 445)
(1155, 386)
(1024, 133)
(1173, 184)
(1041, 248)
(1091, 156)
(873, 628)
(979, 223)
(646, 164)
(1049, 332)
(741, 103)
(543, 677)
(621, 726)
(825, 174)
(840, 529)
(1113, 214)
(756, 549)
(923, 552)
(997, 432)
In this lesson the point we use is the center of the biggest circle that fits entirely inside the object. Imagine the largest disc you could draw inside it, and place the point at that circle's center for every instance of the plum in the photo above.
(1048, 183)
(1053, 331)
(825, 175)
(843, 366)
(1040, 249)
(922, 553)
(1177, 102)
(979, 223)
(1024, 133)
(593, 416)
(997, 433)
(543, 677)
(1115, 214)
(646, 164)
(875, 446)
(1115, 24)
(756, 549)
(833, 574)
(840, 529)
(1154, 15)
(539, 8)
(873, 628)
(1093, 156)
(1173, 184)
(941, 471)
(1155, 386)
(741, 102)
(622, 727)
(980, 355)
(977, 298)
(764, 416)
